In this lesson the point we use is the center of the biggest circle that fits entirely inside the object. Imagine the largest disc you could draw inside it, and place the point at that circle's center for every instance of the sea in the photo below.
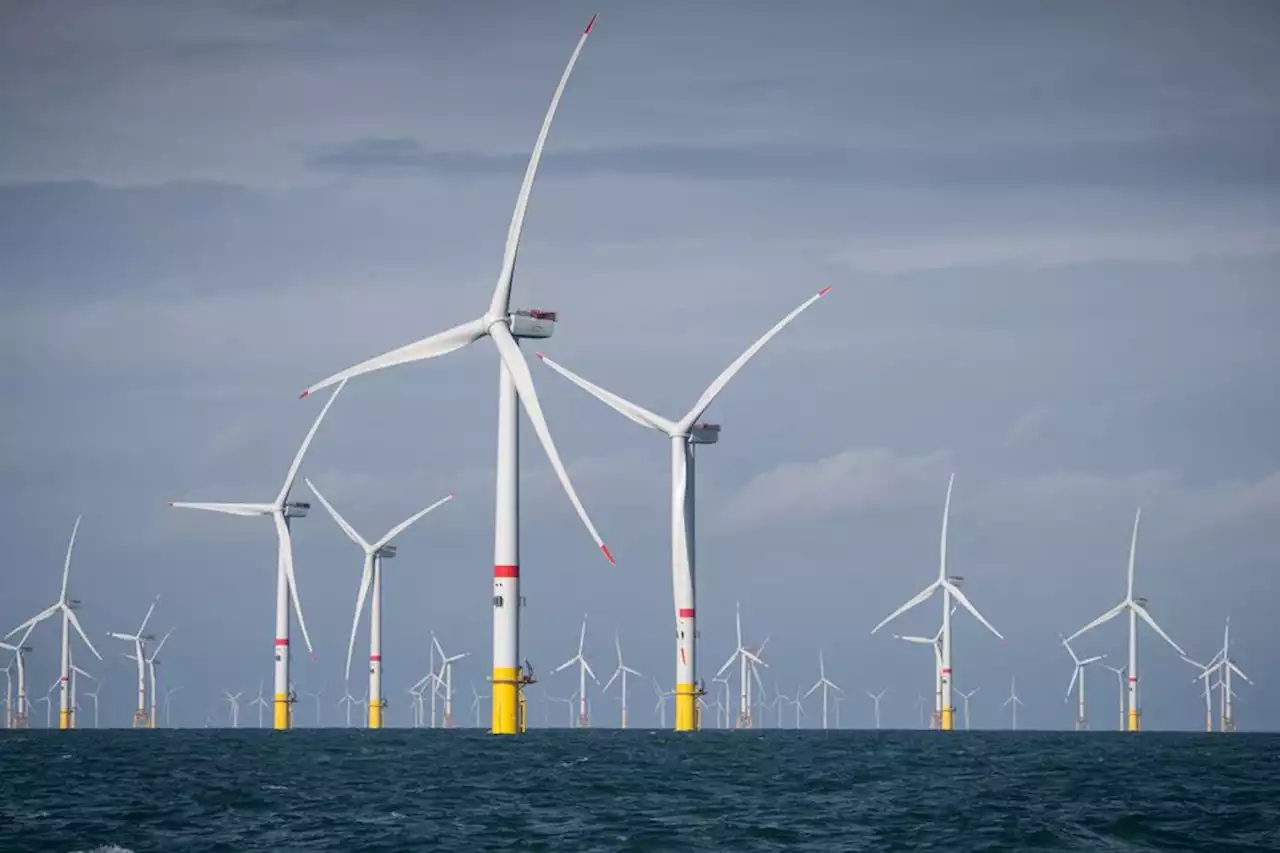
(601, 790)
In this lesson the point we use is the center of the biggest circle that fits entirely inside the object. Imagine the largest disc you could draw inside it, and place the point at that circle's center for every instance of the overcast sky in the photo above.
(1053, 234)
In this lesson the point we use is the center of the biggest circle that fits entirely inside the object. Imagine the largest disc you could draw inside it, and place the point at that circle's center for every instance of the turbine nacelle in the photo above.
(296, 509)
(386, 552)
(533, 323)
(1141, 601)
(704, 433)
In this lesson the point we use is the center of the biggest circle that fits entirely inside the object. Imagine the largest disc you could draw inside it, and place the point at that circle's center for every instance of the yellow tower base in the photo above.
(375, 713)
(139, 720)
(506, 701)
(948, 719)
(280, 713)
(686, 708)
(1134, 721)
(64, 719)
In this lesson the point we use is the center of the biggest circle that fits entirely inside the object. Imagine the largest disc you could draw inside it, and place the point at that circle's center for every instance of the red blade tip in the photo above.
(591, 23)
(608, 556)
(452, 495)
(825, 290)
(540, 355)
(303, 394)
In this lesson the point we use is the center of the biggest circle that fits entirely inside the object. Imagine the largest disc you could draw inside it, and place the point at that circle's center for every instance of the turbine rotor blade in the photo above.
(71, 616)
(627, 409)
(246, 510)
(518, 370)
(964, 602)
(1075, 673)
(404, 525)
(66, 565)
(1146, 617)
(1105, 617)
(366, 578)
(439, 344)
(920, 597)
(306, 442)
(285, 559)
(1133, 550)
(334, 514)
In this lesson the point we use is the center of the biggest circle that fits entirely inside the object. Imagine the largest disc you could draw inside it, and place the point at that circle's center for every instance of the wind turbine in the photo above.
(1224, 665)
(475, 703)
(168, 704)
(504, 327)
(779, 700)
(1137, 608)
(584, 669)
(966, 697)
(798, 702)
(92, 694)
(348, 700)
(1082, 721)
(744, 658)
(281, 510)
(139, 655)
(660, 708)
(66, 607)
(260, 703)
(684, 434)
(1014, 700)
(1119, 671)
(234, 699)
(876, 697)
(152, 662)
(622, 670)
(920, 706)
(950, 590)
(18, 719)
(315, 697)
(374, 555)
(824, 683)
(934, 642)
(445, 678)
(568, 702)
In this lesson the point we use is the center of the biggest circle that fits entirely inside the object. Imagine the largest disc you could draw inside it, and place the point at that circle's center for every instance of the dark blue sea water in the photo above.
(345, 790)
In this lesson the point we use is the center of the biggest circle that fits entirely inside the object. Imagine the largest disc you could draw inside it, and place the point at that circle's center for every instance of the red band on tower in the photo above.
(685, 613)
(375, 658)
(506, 571)
(280, 642)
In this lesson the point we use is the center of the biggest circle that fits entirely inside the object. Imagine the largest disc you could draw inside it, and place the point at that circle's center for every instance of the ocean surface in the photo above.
(564, 790)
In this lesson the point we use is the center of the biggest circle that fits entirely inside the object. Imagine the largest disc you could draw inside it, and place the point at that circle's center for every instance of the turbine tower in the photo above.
(371, 576)
(747, 661)
(584, 669)
(950, 589)
(1013, 700)
(64, 607)
(935, 722)
(281, 511)
(622, 670)
(234, 699)
(876, 697)
(504, 327)
(152, 663)
(1119, 671)
(18, 719)
(445, 679)
(139, 655)
(966, 697)
(260, 703)
(1077, 675)
(824, 683)
(1224, 665)
(1137, 609)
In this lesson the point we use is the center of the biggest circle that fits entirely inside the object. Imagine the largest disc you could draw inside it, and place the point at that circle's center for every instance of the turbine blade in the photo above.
(498, 306)
(306, 442)
(926, 641)
(31, 623)
(1146, 617)
(612, 678)
(714, 389)
(71, 616)
(1105, 617)
(404, 525)
(921, 596)
(811, 689)
(66, 565)
(1075, 673)
(160, 646)
(366, 578)
(336, 516)
(590, 671)
(942, 546)
(727, 664)
(564, 665)
(439, 344)
(519, 372)
(147, 618)
(627, 409)
(1133, 549)
(965, 603)
(286, 559)
(241, 509)
(1237, 671)
(582, 637)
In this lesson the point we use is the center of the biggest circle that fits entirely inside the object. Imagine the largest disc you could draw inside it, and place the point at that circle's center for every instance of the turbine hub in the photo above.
(386, 552)
(704, 433)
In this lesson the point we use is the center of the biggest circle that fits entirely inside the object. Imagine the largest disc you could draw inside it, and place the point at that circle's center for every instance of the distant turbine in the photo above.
(967, 697)
(876, 697)
(1119, 671)
(1014, 700)
(747, 662)
(1137, 609)
(139, 655)
(260, 703)
(1224, 665)
(152, 662)
(234, 700)
(281, 510)
(622, 670)
(950, 590)
(374, 555)
(824, 683)
(18, 719)
(445, 678)
(1077, 675)
(584, 669)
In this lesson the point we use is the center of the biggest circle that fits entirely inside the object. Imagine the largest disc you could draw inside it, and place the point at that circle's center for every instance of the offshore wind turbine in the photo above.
(234, 699)
(1077, 675)
(1224, 665)
(281, 510)
(824, 683)
(950, 589)
(1119, 671)
(445, 679)
(66, 608)
(152, 662)
(92, 694)
(348, 700)
(798, 702)
(475, 703)
(139, 655)
(371, 577)
(315, 697)
(683, 434)
(584, 669)
(1137, 609)
(661, 707)
(1205, 669)
(966, 697)
(935, 642)
(622, 670)
(747, 661)
(504, 328)
(168, 704)
(260, 703)
(876, 697)
(18, 719)
(1013, 700)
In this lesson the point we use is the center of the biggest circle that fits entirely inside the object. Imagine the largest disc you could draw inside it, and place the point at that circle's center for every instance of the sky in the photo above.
(1052, 234)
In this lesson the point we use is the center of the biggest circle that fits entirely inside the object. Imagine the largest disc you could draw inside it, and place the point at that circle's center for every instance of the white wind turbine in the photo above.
(18, 719)
(152, 662)
(168, 704)
(348, 700)
(1204, 668)
(1077, 675)
(876, 697)
(935, 642)
(950, 590)
(234, 699)
(476, 697)
(1013, 700)
(1137, 608)
(445, 679)
(139, 655)
(622, 670)
(779, 700)
(260, 703)
(1119, 671)
(660, 708)
(824, 683)
(66, 608)
(371, 577)
(966, 697)
(281, 510)
(798, 702)
(584, 669)
(747, 661)
(503, 327)
(92, 694)
(1224, 665)
(683, 435)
